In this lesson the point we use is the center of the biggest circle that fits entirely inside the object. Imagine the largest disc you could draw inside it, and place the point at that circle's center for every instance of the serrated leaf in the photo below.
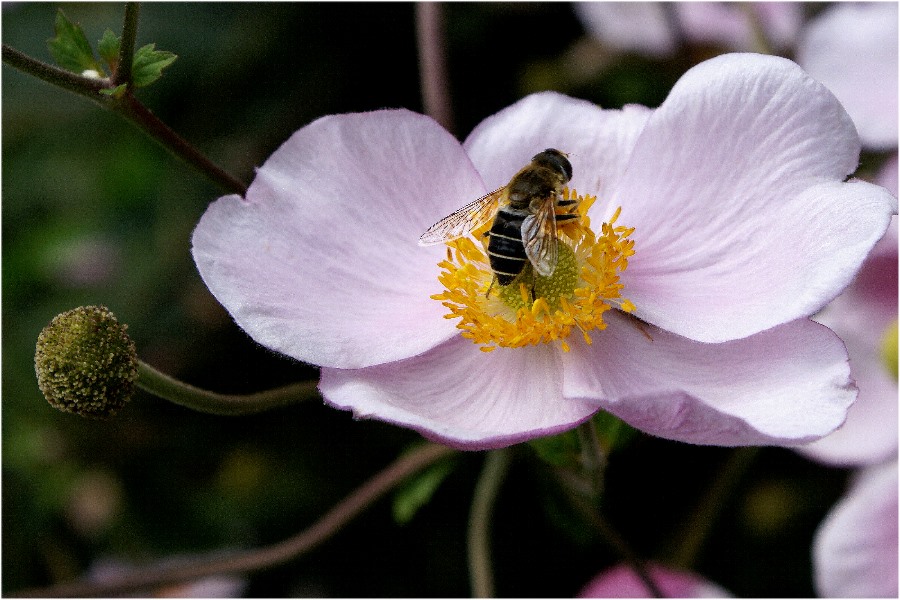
(70, 48)
(148, 64)
(417, 491)
(108, 48)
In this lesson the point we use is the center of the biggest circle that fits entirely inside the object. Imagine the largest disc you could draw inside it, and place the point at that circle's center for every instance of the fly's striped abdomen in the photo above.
(506, 252)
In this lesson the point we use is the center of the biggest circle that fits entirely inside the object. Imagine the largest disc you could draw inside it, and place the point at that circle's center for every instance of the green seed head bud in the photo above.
(86, 363)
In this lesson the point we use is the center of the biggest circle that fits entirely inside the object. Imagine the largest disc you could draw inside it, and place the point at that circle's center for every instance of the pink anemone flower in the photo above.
(711, 228)
(656, 28)
(621, 581)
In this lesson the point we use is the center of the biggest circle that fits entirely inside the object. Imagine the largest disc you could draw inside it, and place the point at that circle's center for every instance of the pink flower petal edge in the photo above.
(321, 261)
(735, 190)
(462, 397)
(785, 386)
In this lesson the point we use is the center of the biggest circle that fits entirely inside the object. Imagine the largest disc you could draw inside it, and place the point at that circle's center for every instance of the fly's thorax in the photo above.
(534, 182)
(554, 160)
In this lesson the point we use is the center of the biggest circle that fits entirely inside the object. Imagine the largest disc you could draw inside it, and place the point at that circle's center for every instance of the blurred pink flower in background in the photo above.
(855, 549)
(852, 49)
(655, 28)
(622, 582)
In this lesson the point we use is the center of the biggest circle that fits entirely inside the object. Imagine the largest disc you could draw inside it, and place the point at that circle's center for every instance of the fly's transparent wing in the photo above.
(539, 238)
(462, 221)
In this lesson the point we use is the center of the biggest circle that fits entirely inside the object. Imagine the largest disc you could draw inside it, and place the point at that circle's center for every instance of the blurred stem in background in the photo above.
(433, 63)
(260, 558)
(481, 576)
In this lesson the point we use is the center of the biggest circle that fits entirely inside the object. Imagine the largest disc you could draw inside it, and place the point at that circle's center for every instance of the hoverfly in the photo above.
(524, 212)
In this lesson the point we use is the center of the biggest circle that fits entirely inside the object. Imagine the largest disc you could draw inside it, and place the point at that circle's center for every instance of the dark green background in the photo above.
(247, 76)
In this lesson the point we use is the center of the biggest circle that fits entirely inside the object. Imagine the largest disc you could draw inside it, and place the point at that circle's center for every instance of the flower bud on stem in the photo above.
(87, 364)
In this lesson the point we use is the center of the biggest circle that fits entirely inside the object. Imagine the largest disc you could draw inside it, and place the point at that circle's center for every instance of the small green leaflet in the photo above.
(416, 491)
(108, 47)
(70, 48)
(72, 51)
(115, 92)
(149, 63)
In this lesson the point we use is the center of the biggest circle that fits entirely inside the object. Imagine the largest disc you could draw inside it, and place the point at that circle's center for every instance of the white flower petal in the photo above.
(734, 189)
(598, 141)
(321, 262)
(855, 549)
(784, 386)
(458, 395)
(852, 49)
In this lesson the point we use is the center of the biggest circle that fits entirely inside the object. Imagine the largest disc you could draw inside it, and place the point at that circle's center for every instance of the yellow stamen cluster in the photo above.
(534, 309)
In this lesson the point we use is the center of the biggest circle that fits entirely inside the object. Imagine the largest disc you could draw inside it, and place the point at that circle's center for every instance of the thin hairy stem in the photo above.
(480, 572)
(687, 544)
(168, 388)
(593, 515)
(127, 106)
(88, 87)
(126, 48)
(593, 457)
(132, 109)
(260, 558)
(433, 62)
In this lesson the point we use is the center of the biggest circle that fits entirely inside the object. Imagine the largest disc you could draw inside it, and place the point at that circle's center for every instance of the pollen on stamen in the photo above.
(534, 309)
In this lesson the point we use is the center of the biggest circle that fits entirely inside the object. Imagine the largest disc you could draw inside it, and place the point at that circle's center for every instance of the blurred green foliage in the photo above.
(94, 213)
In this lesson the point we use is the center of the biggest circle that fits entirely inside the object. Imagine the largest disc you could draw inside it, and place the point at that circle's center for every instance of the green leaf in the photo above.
(108, 48)
(564, 449)
(70, 48)
(613, 432)
(149, 63)
(418, 490)
(561, 450)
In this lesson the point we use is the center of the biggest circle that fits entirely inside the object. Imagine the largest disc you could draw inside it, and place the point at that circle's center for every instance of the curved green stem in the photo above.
(258, 558)
(168, 388)
(480, 573)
